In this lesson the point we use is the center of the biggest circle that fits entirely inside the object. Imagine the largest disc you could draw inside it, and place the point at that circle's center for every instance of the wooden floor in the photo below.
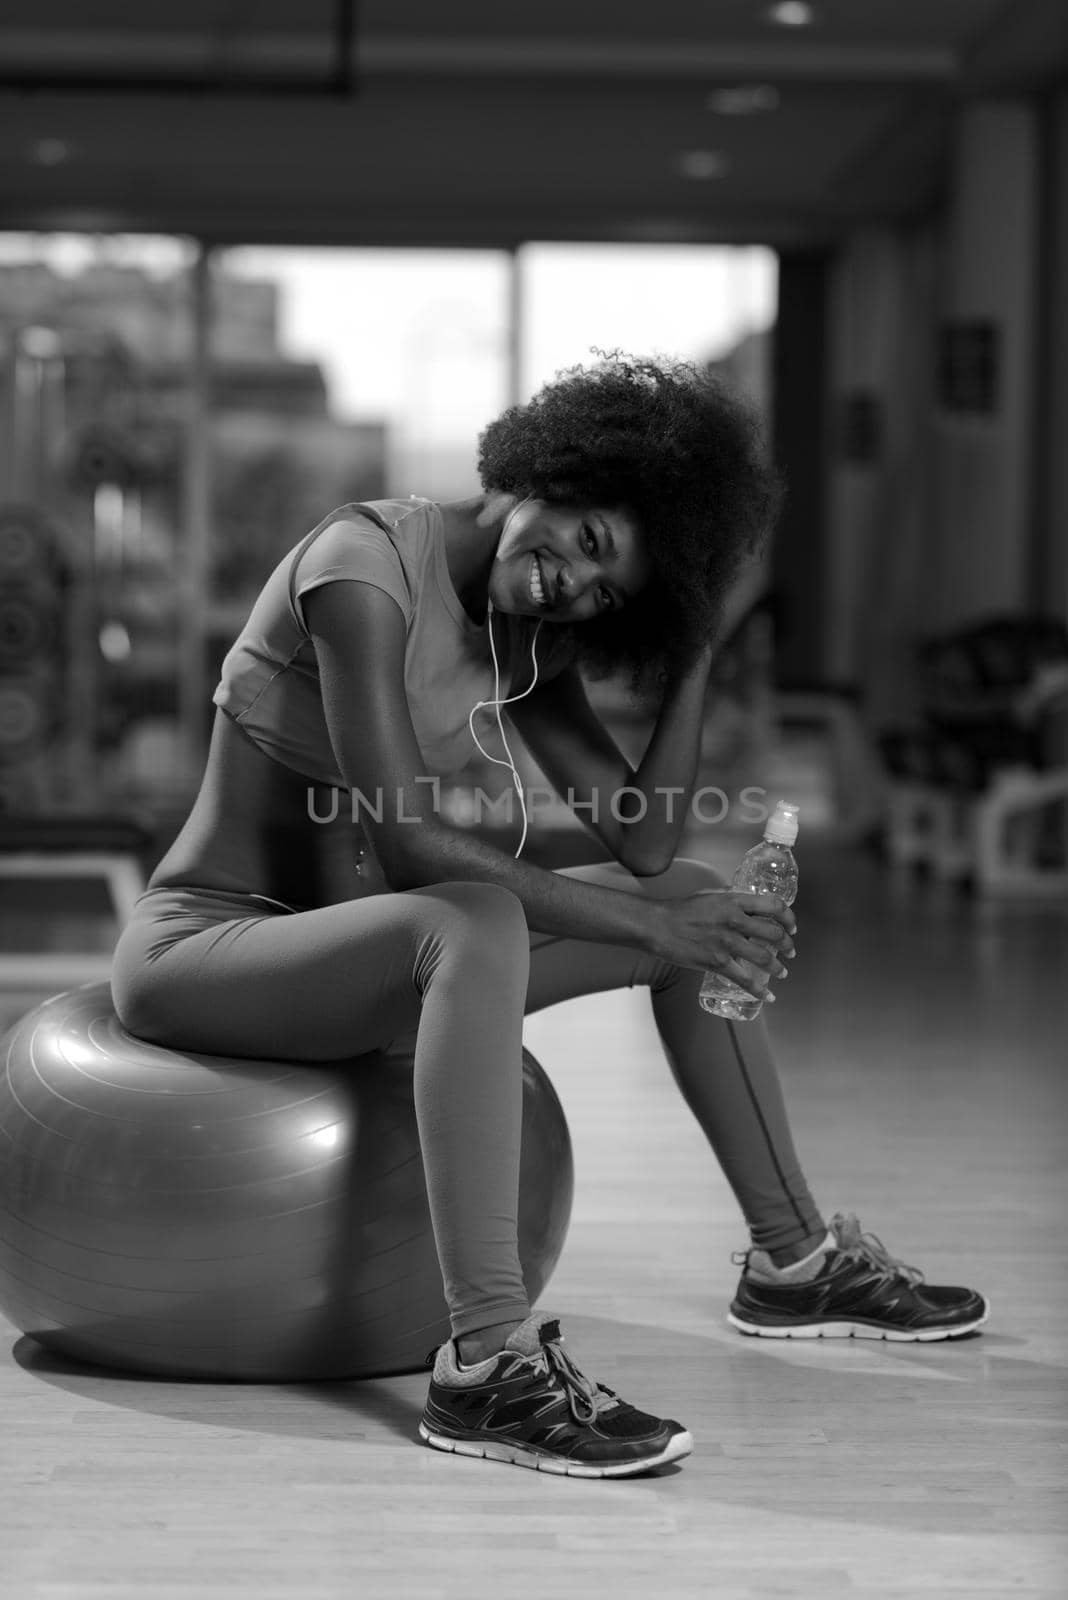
(924, 1043)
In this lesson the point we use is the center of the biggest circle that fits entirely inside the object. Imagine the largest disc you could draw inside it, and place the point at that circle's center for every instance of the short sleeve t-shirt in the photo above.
(269, 680)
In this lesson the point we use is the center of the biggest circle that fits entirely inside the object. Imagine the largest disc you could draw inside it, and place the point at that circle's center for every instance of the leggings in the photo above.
(453, 967)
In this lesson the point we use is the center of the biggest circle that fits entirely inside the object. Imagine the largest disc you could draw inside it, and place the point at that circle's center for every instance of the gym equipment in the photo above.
(43, 670)
(973, 790)
(64, 849)
(210, 1217)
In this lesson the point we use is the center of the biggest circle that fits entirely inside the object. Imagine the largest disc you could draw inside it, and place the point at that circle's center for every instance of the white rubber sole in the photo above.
(856, 1330)
(515, 1455)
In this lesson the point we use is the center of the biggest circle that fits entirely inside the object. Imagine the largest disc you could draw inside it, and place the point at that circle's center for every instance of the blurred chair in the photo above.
(850, 772)
(973, 786)
(856, 778)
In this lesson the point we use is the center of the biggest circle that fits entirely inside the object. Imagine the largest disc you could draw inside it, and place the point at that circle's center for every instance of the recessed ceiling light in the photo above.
(703, 164)
(743, 99)
(50, 152)
(41, 343)
(792, 13)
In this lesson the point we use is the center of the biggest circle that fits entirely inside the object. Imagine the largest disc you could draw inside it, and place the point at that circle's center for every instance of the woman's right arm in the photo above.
(359, 634)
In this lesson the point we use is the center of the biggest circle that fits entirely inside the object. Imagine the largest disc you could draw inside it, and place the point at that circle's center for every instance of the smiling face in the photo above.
(565, 564)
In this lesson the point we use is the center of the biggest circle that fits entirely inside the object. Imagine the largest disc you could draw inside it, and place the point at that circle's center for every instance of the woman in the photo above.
(618, 506)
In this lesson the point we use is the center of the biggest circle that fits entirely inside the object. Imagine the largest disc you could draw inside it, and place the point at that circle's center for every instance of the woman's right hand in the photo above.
(729, 932)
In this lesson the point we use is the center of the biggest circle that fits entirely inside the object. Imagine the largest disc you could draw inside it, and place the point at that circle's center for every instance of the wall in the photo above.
(1050, 567)
(940, 511)
(881, 333)
(798, 428)
(984, 464)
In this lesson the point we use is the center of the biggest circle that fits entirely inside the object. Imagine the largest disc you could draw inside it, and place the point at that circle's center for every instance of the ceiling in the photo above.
(479, 122)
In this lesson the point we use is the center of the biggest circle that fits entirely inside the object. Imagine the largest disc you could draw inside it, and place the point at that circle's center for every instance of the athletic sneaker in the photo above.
(858, 1291)
(531, 1406)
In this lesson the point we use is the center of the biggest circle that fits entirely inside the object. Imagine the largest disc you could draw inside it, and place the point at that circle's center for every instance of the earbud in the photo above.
(503, 548)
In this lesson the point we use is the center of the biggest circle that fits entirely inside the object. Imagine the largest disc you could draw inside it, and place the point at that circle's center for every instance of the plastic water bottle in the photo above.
(768, 868)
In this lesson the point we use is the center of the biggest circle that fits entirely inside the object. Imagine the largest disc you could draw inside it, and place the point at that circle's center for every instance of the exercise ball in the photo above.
(199, 1216)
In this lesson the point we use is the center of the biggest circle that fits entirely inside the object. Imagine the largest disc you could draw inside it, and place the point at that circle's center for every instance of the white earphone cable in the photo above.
(498, 703)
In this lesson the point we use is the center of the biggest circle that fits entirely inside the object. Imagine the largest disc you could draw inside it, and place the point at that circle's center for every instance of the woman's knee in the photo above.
(687, 875)
(684, 876)
(486, 914)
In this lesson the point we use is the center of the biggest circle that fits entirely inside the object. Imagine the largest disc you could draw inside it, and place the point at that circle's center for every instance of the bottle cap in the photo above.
(782, 824)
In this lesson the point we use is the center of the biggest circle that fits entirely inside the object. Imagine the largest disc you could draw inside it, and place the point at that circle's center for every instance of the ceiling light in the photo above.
(743, 99)
(792, 13)
(50, 152)
(702, 164)
(40, 343)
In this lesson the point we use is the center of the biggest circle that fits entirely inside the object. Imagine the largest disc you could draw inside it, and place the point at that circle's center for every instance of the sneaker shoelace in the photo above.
(587, 1400)
(868, 1247)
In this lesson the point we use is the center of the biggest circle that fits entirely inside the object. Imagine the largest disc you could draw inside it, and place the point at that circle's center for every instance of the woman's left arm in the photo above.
(587, 768)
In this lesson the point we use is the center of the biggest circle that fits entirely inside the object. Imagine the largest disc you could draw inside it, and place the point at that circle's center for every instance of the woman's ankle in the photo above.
(793, 1255)
(472, 1348)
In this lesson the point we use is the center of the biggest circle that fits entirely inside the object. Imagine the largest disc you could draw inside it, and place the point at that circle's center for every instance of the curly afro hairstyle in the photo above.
(665, 440)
